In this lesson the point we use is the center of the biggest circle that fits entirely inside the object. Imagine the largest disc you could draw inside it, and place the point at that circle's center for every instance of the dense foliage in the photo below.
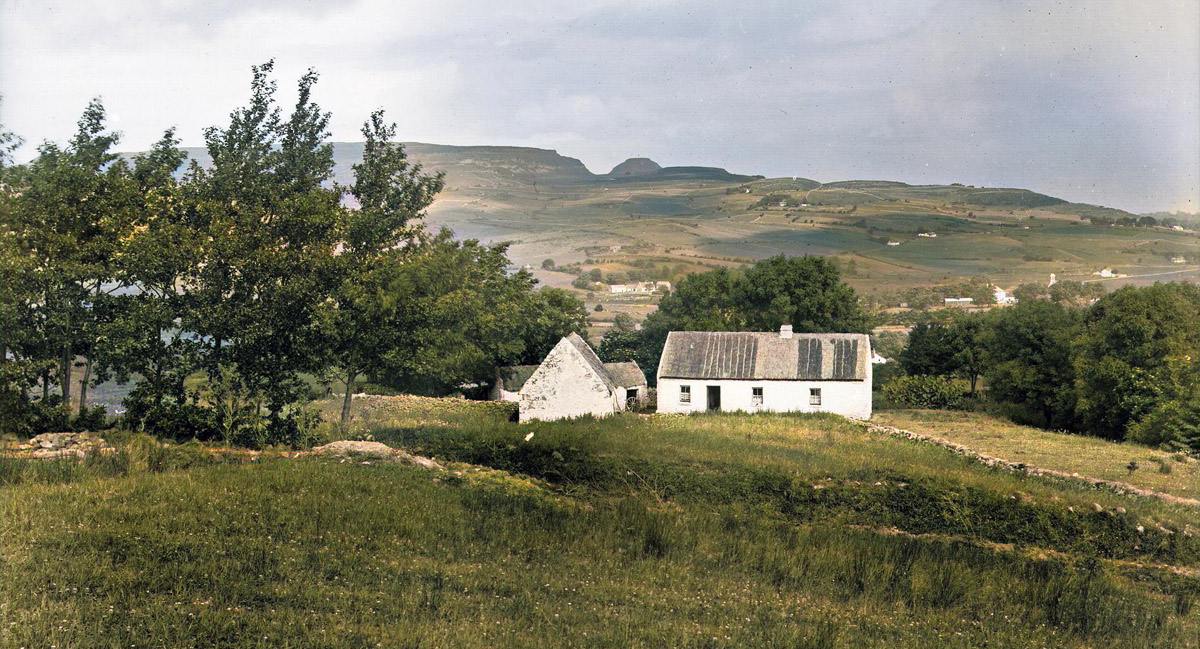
(806, 292)
(228, 292)
(1124, 367)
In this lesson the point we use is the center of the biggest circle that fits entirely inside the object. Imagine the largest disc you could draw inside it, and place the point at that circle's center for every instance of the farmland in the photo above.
(707, 531)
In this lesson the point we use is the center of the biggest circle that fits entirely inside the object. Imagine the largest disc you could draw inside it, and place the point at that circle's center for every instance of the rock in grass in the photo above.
(377, 450)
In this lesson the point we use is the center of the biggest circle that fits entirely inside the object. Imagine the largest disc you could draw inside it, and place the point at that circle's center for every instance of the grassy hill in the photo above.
(707, 531)
(551, 206)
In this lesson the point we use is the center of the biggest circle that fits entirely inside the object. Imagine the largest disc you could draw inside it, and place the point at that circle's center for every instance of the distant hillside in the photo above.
(635, 167)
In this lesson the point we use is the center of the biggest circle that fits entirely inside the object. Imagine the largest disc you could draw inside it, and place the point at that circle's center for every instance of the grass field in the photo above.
(707, 531)
(1089, 456)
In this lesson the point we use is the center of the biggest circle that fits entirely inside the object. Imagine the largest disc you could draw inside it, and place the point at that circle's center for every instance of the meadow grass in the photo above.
(710, 531)
(1170, 473)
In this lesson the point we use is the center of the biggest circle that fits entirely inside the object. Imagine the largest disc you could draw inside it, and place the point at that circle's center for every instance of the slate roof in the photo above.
(765, 356)
(626, 375)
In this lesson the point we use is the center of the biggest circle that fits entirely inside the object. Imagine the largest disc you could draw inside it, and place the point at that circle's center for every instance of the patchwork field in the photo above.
(634, 531)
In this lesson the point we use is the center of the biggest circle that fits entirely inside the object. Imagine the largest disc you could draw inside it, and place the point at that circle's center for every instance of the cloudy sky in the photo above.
(1092, 101)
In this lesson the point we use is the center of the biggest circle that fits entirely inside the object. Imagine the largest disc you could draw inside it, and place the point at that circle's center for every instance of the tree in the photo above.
(267, 264)
(1138, 348)
(392, 196)
(1029, 350)
(141, 338)
(547, 264)
(623, 322)
(806, 292)
(72, 217)
(932, 349)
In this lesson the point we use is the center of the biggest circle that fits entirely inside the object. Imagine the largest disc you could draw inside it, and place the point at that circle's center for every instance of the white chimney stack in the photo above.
(785, 332)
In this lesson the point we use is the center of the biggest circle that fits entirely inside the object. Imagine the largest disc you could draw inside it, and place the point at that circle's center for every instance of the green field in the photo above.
(634, 531)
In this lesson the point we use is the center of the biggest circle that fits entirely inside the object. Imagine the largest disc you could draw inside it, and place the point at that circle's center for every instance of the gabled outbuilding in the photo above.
(572, 381)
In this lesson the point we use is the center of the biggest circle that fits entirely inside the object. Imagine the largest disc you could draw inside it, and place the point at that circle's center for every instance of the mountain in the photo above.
(634, 167)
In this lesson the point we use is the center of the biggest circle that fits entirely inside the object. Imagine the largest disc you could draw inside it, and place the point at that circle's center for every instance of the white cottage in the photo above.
(772, 372)
(571, 381)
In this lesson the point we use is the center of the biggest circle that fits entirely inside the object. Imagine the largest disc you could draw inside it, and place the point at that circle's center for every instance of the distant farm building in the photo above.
(766, 372)
(928, 235)
(959, 301)
(1178, 260)
(893, 243)
(571, 381)
(1105, 272)
(639, 288)
(1002, 297)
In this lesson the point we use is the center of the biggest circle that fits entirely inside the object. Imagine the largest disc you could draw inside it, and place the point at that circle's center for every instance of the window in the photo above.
(685, 394)
(814, 396)
(756, 396)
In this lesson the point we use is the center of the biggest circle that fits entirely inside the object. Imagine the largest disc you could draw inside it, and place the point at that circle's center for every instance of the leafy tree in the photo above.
(392, 196)
(806, 292)
(623, 322)
(932, 349)
(1138, 348)
(71, 218)
(271, 227)
(545, 316)
(1029, 349)
(547, 264)
(141, 338)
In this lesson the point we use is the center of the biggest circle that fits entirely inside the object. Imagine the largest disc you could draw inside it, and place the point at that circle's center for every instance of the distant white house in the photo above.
(1178, 260)
(959, 301)
(1105, 272)
(928, 235)
(765, 372)
(876, 359)
(893, 243)
(1002, 297)
(639, 288)
(1177, 228)
(571, 381)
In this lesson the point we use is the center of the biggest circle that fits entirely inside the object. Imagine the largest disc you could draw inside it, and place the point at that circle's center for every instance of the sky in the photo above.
(1095, 102)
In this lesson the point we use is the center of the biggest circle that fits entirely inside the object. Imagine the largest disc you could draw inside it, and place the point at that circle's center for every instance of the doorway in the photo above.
(714, 397)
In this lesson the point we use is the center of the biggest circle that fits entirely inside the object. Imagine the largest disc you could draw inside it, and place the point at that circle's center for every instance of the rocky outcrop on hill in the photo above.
(48, 446)
(635, 167)
(373, 451)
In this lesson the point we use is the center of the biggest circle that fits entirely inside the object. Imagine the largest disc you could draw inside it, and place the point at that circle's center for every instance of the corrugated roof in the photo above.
(765, 355)
(626, 375)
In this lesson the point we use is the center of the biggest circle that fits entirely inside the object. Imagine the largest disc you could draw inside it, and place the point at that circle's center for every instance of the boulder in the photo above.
(373, 450)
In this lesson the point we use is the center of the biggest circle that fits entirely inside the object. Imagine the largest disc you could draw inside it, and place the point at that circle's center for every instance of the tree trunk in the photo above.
(45, 385)
(350, 374)
(974, 378)
(83, 385)
(64, 379)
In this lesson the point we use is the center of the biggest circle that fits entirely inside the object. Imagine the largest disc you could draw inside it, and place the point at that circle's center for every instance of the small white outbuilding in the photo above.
(571, 381)
(766, 372)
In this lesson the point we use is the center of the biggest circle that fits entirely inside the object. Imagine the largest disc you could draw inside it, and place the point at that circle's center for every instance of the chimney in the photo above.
(785, 332)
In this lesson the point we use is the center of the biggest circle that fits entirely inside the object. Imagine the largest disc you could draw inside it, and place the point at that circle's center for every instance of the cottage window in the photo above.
(685, 394)
(756, 396)
(814, 396)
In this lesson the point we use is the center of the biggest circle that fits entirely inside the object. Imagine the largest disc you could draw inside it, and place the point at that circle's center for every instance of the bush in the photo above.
(923, 391)
(1174, 424)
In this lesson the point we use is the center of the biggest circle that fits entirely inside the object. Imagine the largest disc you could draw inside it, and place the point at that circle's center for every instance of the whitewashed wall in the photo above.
(847, 398)
(565, 385)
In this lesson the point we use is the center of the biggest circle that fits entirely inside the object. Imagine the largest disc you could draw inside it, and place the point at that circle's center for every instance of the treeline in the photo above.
(227, 291)
(1124, 367)
(806, 292)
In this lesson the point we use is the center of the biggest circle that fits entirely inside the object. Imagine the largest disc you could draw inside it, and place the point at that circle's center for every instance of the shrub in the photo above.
(923, 391)
(1172, 424)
